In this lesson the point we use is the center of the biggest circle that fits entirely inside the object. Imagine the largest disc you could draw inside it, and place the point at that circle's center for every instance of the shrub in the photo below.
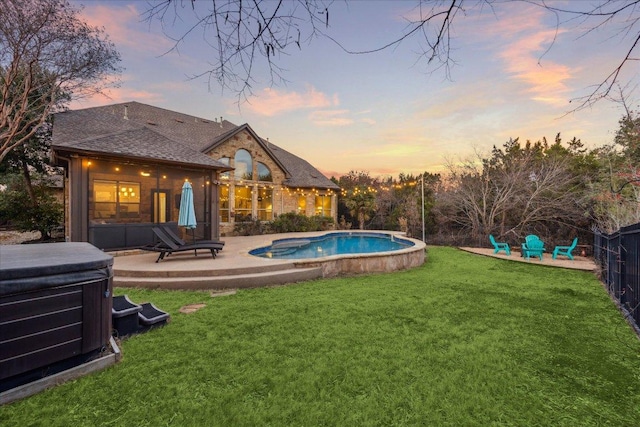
(17, 207)
(247, 226)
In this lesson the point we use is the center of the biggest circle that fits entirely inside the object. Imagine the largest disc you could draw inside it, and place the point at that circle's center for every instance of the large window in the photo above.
(264, 173)
(224, 203)
(323, 205)
(243, 165)
(116, 200)
(265, 204)
(302, 205)
(242, 203)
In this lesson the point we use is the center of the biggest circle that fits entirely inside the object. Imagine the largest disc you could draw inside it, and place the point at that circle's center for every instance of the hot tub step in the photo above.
(130, 318)
(125, 315)
(152, 317)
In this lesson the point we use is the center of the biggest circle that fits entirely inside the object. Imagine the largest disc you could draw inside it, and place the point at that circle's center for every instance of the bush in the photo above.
(290, 222)
(286, 223)
(247, 226)
(293, 222)
(17, 207)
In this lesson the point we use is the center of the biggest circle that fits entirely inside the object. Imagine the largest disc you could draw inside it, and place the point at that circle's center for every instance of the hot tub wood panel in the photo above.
(33, 325)
(27, 362)
(42, 302)
(96, 315)
(42, 340)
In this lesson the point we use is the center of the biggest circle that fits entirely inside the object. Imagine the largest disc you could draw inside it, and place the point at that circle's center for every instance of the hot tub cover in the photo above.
(37, 266)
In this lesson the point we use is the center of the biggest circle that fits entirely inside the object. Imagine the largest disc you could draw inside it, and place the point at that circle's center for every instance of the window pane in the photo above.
(323, 205)
(224, 203)
(105, 197)
(265, 204)
(243, 203)
(302, 205)
(264, 173)
(243, 165)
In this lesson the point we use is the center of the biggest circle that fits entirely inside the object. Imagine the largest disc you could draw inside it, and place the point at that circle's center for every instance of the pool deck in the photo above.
(233, 267)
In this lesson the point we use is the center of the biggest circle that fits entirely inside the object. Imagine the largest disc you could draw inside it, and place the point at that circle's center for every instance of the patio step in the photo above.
(218, 281)
(200, 272)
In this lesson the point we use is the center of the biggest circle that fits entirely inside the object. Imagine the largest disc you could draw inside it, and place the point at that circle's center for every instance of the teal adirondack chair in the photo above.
(565, 250)
(532, 246)
(499, 246)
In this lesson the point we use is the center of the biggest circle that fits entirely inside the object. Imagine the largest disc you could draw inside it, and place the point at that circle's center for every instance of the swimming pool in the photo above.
(345, 243)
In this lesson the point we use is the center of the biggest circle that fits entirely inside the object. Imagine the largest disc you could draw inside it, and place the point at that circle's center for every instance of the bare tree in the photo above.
(46, 51)
(478, 198)
(510, 195)
(616, 196)
(243, 32)
(243, 35)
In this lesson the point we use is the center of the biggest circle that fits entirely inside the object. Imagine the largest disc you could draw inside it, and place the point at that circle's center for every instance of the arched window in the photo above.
(264, 173)
(243, 165)
(226, 161)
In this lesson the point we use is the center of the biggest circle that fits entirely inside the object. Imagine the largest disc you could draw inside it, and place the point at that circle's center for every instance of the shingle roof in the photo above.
(302, 174)
(144, 131)
(145, 144)
(105, 130)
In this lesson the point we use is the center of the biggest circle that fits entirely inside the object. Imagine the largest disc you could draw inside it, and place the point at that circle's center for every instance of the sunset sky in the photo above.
(383, 113)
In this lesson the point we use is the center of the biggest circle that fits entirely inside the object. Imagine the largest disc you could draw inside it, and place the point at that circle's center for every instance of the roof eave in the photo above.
(117, 156)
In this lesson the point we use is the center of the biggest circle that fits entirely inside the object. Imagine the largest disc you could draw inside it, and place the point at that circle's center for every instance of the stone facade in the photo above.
(284, 199)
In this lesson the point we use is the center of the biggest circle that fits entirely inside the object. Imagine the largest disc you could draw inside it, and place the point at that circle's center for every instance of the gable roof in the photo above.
(133, 129)
(246, 128)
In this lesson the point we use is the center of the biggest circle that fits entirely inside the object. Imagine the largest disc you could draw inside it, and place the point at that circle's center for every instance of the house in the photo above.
(126, 164)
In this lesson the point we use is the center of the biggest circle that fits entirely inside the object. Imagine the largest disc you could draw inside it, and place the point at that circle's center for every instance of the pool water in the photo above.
(332, 244)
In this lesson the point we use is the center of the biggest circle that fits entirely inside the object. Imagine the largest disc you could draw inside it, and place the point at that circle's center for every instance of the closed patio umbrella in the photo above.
(187, 216)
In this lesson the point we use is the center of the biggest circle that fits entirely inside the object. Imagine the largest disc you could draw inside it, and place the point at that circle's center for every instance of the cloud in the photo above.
(545, 80)
(121, 24)
(330, 118)
(519, 36)
(272, 102)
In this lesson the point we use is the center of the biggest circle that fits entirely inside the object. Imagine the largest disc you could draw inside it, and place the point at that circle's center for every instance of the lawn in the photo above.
(464, 340)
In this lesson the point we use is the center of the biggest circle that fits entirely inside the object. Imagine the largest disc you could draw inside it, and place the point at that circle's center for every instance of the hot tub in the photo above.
(55, 308)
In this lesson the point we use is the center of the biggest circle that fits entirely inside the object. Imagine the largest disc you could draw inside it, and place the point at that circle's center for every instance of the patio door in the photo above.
(160, 206)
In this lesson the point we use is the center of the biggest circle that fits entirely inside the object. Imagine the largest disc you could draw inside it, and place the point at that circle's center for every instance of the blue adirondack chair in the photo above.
(497, 247)
(532, 246)
(565, 250)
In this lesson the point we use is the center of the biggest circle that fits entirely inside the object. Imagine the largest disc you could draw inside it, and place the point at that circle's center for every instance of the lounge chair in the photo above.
(499, 246)
(532, 246)
(167, 246)
(169, 231)
(565, 250)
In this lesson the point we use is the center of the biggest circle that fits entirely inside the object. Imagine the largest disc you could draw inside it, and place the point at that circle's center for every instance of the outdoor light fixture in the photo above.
(145, 174)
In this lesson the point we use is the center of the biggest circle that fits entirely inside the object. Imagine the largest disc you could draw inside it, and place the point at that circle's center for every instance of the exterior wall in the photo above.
(284, 199)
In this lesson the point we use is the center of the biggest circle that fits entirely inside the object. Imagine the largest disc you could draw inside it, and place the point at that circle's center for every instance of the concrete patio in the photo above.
(233, 267)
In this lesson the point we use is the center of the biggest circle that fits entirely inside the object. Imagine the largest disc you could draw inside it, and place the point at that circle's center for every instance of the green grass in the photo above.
(464, 340)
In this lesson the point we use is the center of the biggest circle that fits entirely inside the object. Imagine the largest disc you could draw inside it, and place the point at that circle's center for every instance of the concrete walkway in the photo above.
(578, 263)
